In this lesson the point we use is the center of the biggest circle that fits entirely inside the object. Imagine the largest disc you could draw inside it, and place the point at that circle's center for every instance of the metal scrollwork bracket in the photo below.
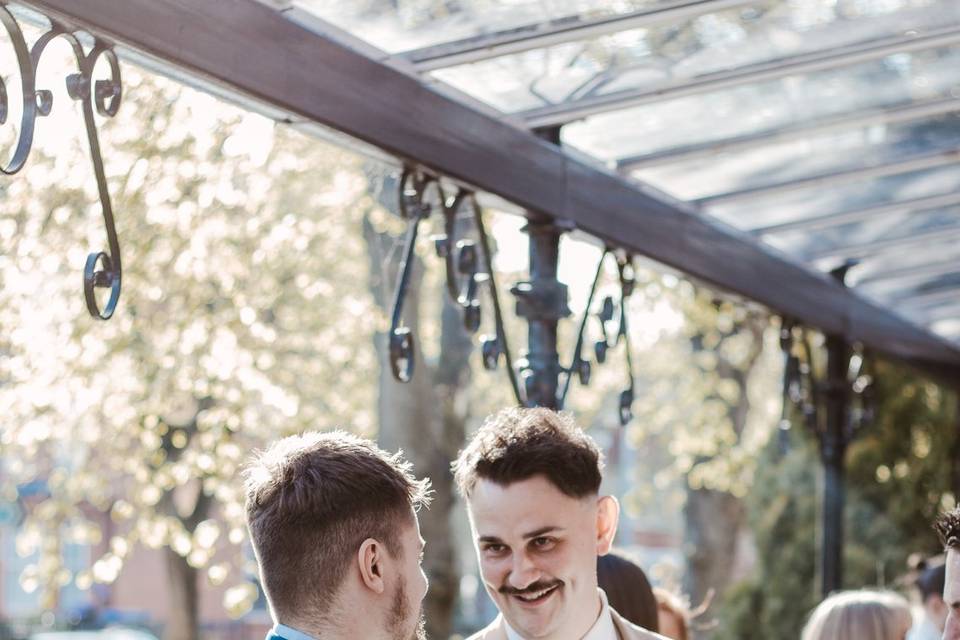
(580, 366)
(414, 209)
(103, 268)
(468, 267)
(802, 390)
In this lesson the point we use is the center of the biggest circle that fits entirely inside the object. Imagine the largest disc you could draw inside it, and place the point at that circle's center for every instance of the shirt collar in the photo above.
(602, 629)
(289, 633)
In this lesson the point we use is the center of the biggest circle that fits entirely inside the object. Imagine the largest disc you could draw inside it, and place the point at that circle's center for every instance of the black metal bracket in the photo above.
(103, 268)
(581, 366)
(468, 270)
(811, 396)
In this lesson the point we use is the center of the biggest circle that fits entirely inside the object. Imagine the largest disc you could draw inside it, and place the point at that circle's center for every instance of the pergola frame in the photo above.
(255, 53)
(310, 77)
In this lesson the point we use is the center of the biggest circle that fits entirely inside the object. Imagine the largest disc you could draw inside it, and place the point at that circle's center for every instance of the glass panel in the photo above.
(665, 53)
(790, 161)
(895, 81)
(810, 203)
(888, 228)
(891, 290)
(401, 25)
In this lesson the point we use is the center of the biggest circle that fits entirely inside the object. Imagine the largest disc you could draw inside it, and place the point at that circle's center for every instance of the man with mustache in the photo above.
(948, 528)
(334, 527)
(531, 480)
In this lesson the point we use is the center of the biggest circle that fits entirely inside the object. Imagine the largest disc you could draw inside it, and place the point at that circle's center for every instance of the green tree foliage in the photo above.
(899, 473)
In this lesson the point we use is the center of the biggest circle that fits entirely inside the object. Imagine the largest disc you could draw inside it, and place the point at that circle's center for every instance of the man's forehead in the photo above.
(535, 489)
(522, 506)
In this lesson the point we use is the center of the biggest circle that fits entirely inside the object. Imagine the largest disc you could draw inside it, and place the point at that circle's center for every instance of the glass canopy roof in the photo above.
(830, 129)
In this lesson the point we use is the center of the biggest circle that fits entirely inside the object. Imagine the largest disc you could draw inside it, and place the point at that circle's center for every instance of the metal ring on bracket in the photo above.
(94, 278)
(107, 94)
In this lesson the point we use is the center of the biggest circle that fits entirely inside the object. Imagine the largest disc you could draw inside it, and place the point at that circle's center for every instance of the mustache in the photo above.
(539, 585)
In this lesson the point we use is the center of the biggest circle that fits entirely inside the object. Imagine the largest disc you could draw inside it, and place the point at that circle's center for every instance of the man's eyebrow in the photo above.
(536, 533)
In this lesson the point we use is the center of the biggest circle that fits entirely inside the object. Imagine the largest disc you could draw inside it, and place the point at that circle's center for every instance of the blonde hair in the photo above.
(859, 615)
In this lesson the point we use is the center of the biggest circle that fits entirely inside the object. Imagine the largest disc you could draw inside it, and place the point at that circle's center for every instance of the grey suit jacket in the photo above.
(625, 629)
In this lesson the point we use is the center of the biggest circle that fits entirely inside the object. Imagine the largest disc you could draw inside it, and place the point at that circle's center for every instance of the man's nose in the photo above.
(523, 572)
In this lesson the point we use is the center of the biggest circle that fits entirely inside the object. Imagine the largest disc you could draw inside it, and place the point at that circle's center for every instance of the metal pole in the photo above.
(833, 447)
(542, 302)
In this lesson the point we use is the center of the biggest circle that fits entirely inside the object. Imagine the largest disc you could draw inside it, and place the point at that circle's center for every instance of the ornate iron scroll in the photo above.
(103, 268)
(466, 274)
(581, 366)
(804, 391)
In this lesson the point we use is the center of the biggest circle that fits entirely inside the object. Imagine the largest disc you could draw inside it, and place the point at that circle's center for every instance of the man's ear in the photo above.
(371, 557)
(608, 515)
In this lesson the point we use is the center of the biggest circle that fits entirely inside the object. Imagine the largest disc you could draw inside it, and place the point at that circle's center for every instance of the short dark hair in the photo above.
(628, 589)
(516, 444)
(948, 528)
(931, 580)
(311, 500)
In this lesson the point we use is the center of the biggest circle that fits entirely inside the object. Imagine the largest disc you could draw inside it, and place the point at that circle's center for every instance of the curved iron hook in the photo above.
(28, 80)
(493, 347)
(102, 268)
(626, 290)
(414, 209)
(578, 364)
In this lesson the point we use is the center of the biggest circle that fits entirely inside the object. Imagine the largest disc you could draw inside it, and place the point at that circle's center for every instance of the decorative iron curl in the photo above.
(102, 268)
(413, 208)
(803, 391)
(464, 274)
(580, 366)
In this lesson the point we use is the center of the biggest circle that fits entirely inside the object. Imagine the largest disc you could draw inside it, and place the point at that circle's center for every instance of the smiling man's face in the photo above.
(538, 552)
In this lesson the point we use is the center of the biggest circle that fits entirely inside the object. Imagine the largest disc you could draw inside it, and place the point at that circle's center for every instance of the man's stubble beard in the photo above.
(400, 614)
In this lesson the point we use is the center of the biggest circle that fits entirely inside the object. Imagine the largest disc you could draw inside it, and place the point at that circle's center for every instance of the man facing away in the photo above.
(334, 527)
(948, 528)
(531, 480)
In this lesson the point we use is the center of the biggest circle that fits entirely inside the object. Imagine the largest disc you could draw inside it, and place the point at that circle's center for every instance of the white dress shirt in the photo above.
(602, 629)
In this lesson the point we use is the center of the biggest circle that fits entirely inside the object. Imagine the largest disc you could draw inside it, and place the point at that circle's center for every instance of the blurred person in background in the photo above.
(333, 523)
(859, 615)
(948, 528)
(628, 590)
(928, 625)
(673, 615)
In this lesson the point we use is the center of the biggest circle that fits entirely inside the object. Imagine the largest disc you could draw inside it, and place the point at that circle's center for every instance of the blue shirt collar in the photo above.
(289, 633)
